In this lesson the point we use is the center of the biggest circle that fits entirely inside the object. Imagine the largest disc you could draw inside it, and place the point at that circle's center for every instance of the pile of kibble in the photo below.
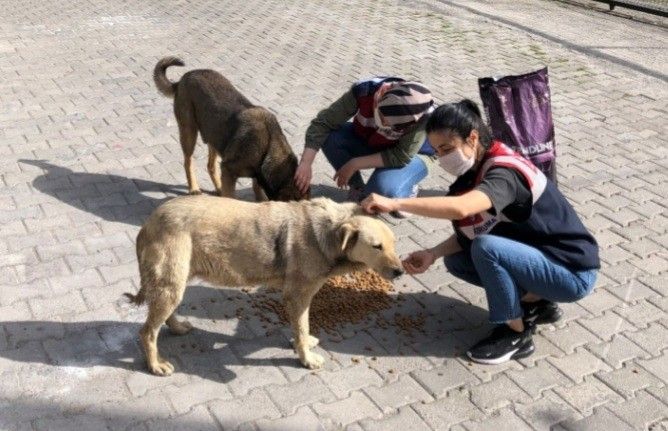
(351, 298)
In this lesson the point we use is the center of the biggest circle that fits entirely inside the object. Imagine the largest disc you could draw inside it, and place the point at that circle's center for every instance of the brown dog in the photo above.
(294, 246)
(248, 138)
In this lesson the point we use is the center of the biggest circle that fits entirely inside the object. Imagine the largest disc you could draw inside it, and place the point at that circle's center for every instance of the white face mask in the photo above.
(455, 163)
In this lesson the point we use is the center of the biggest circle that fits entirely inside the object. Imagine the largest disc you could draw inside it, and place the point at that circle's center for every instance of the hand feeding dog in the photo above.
(247, 138)
(294, 246)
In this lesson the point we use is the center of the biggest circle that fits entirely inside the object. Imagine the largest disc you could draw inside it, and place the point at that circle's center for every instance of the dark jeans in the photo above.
(343, 145)
(507, 269)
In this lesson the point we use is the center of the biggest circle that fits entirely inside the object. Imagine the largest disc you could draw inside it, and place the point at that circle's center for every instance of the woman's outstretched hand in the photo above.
(375, 204)
(418, 261)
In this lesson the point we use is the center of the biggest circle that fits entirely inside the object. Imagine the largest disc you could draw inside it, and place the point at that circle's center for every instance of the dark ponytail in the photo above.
(461, 118)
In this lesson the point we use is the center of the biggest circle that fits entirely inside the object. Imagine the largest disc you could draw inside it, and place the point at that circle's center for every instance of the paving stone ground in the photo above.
(89, 148)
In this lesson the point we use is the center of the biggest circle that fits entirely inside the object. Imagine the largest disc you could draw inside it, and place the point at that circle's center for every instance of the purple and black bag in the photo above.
(519, 112)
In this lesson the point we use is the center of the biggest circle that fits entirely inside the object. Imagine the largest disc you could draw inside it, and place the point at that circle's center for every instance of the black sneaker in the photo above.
(502, 345)
(542, 311)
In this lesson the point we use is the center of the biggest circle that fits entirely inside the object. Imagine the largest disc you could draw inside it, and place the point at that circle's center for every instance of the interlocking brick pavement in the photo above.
(89, 149)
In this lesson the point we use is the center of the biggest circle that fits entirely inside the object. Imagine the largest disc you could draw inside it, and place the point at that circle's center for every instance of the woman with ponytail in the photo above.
(515, 234)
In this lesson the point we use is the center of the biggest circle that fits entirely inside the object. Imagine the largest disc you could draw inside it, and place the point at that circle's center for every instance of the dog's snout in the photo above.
(397, 272)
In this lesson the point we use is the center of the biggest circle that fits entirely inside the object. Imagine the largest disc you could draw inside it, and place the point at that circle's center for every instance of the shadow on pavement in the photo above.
(120, 199)
(111, 197)
(229, 333)
(51, 414)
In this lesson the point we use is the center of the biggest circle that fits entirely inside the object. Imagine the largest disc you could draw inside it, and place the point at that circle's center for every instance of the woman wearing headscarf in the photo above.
(387, 133)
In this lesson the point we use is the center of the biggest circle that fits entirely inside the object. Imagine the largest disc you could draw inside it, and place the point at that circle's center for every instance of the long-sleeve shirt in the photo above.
(343, 109)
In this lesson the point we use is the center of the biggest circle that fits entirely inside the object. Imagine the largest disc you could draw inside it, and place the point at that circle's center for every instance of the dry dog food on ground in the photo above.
(408, 324)
(350, 298)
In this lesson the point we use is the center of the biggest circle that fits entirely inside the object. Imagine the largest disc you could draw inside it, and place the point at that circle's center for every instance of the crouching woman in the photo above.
(515, 234)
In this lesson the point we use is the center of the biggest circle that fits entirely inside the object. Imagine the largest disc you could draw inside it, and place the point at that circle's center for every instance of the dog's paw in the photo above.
(195, 192)
(180, 328)
(161, 368)
(313, 361)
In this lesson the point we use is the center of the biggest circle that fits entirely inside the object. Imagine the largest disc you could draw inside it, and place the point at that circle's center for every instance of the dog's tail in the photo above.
(140, 297)
(165, 86)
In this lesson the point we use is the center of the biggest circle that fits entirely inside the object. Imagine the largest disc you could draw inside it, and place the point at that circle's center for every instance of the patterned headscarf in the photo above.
(401, 104)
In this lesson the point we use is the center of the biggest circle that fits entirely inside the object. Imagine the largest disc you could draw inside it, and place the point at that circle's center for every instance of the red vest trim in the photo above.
(500, 155)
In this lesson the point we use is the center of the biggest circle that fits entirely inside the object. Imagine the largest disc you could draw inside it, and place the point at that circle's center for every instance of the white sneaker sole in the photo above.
(501, 359)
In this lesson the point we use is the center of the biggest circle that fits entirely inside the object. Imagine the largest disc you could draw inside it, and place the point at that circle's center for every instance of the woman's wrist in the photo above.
(308, 156)
(357, 163)
(436, 252)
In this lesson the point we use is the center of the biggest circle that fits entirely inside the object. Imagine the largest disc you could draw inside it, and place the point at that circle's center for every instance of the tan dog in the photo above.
(294, 246)
(247, 138)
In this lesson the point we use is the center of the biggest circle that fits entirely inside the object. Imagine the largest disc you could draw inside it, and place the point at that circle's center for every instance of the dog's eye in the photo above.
(378, 246)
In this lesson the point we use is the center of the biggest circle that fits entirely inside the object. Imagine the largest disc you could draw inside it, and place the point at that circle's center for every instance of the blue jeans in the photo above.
(508, 269)
(343, 144)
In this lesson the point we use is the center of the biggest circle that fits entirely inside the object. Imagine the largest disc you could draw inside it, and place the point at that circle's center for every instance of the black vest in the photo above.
(553, 227)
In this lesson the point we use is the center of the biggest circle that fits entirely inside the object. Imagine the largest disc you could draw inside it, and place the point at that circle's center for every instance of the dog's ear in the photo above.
(349, 235)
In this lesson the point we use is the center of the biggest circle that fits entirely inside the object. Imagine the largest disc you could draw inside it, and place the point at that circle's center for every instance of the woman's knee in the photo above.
(587, 282)
(452, 264)
(461, 266)
(456, 266)
(571, 296)
(332, 143)
(484, 246)
(339, 137)
(392, 183)
(382, 183)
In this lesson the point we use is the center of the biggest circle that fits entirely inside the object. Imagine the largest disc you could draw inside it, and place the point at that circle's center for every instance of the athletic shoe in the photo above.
(502, 345)
(542, 311)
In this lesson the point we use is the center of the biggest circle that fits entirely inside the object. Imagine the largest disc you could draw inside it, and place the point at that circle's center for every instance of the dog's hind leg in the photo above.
(159, 310)
(188, 138)
(165, 294)
(297, 303)
(214, 170)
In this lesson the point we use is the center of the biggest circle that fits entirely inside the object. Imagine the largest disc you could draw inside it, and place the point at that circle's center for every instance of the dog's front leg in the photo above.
(228, 183)
(297, 306)
(260, 195)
